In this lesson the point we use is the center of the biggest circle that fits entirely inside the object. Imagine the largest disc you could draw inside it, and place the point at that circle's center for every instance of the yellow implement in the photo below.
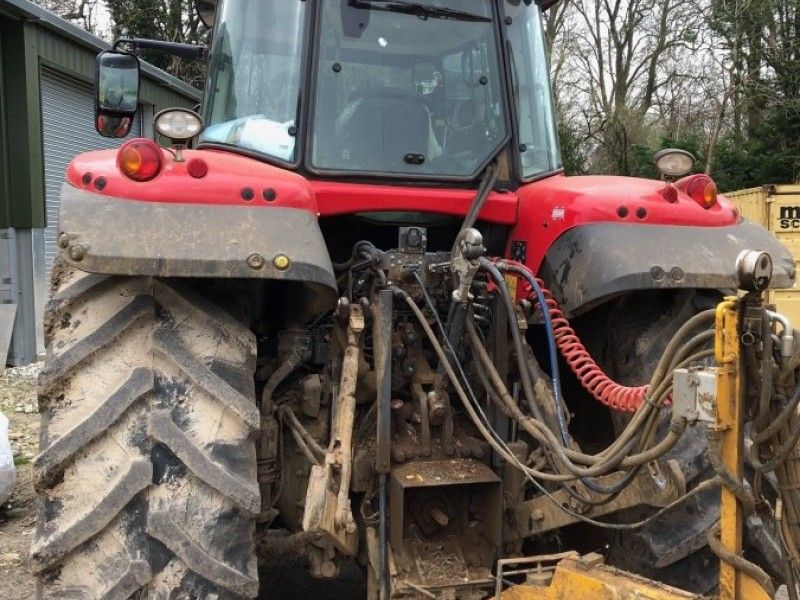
(586, 578)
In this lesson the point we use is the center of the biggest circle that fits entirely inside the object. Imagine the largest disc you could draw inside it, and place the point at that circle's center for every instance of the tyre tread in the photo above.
(161, 526)
(178, 506)
(50, 459)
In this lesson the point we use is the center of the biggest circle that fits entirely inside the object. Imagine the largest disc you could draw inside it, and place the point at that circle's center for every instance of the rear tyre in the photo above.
(672, 549)
(146, 476)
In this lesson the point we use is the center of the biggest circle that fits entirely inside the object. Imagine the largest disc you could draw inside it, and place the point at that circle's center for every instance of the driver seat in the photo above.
(380, 126)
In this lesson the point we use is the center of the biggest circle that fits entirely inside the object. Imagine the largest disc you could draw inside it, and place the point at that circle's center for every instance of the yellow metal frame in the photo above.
(577, 578)
(733, 584)
(730, 421)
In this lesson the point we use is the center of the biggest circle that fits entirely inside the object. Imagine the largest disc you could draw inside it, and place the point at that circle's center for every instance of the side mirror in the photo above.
(206, 10)
(117, 93)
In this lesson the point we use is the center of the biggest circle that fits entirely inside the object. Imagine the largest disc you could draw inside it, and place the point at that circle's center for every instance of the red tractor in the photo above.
(356, 313)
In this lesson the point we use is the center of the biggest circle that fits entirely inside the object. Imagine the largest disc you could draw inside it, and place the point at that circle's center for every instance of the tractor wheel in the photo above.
(146, 477)
(672, 549)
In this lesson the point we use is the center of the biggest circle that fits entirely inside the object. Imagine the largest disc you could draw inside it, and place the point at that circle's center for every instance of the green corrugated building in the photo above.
(46, 117)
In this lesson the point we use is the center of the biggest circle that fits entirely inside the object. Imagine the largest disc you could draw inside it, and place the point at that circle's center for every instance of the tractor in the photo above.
(351, 311)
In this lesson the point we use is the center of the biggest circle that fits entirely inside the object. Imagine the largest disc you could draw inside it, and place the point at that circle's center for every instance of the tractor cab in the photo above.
(377, 88)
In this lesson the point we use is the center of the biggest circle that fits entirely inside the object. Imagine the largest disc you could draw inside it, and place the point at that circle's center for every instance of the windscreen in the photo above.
(407, 88)
(255, 76)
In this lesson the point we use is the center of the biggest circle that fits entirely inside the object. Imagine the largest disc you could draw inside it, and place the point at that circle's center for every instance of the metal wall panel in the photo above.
(16, 246)
(41, 286)
(67, 130)
(751, 204)
(8, 268)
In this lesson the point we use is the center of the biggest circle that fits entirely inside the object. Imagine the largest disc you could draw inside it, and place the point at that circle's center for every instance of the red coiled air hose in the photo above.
(588, 372)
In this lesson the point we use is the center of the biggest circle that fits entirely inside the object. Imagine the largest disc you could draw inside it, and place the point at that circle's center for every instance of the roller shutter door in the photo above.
(67, 130)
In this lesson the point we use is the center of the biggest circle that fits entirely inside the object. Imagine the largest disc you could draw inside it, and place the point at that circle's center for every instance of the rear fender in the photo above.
(590, 264)
(103, 234)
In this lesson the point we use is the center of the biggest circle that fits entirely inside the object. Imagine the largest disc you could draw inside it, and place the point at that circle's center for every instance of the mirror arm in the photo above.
(190, 51)
(546, 4)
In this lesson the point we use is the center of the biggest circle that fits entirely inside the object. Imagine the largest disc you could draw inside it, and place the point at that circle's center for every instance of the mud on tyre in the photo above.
(146, 476)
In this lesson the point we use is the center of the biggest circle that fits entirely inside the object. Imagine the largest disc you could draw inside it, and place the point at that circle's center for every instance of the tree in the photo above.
(760, 42)
(171, 20)
(84, 13)
(624, 63)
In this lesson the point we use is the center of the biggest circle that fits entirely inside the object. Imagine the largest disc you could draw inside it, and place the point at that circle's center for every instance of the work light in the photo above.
(673, 163)
(178, 124)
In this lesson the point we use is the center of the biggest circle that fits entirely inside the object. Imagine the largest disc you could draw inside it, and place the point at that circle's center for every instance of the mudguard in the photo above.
(590, 264)
(102, 234)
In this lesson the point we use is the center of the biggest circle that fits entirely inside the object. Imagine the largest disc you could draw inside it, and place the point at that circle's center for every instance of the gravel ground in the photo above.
(18, 515)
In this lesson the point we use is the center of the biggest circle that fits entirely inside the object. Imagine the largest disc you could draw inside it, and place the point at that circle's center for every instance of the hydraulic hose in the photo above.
(484, 189)
(512, 410)
(551, 346)
(600, 464)
(470, 402)
(782, 453)
(506, 454)
(741, 563)
(556, 381)
(774, 427)
(305, 441)
(303, 447)
(644, 416)
(623, 444)
(282, 372)
(699, 340)
(589, 373)
(524, 373)
(729, 480)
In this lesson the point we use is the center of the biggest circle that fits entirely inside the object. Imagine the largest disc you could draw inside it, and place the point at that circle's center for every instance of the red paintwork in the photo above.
(227, 175)
(347, 198)
(538, 213)
(552, 206)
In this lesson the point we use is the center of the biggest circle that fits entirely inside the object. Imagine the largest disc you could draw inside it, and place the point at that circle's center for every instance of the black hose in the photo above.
(282, 372)
(524, 373)
(357, 253)
(773, 428)
(487, 184)
(729, 480)
(781, 454)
